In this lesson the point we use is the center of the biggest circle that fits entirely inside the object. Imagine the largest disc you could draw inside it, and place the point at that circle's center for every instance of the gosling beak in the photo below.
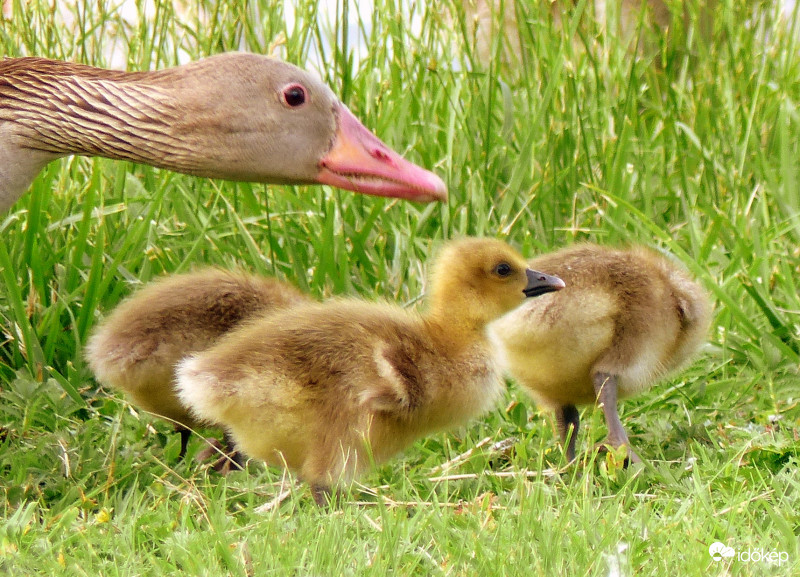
(360, 162)
(540, 283)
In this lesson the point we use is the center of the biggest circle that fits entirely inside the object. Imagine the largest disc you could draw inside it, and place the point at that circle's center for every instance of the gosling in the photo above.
(139, 344)
(626, 319)
(327, 388)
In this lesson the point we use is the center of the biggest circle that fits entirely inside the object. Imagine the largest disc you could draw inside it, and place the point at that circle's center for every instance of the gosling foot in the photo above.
(605, 388)
(568, 421)
(227, 457)
(631, 456)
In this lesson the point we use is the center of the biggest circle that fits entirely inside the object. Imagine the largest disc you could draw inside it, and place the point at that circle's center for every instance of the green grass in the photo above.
(689, 145)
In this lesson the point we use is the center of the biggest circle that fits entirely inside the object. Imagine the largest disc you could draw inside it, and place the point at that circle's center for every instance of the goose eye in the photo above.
(503, 269)
(294, 95)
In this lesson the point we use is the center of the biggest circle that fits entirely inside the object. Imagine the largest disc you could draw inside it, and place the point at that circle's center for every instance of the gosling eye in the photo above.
(294, 95)
(503, 269)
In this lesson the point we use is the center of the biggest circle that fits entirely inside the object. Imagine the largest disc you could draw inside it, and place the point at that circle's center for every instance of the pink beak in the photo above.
(360, 162)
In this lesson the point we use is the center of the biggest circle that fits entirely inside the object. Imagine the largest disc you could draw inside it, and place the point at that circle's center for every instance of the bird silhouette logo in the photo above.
(719, 550)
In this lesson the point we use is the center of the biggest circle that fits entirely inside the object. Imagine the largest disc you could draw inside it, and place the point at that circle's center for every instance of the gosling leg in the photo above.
(605, 388)
(227, 457)
(322, 494)
(185, 434)
(568, 420)
(231, 459)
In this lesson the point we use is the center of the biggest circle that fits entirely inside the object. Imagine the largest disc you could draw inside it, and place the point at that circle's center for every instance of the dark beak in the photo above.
(540, 283)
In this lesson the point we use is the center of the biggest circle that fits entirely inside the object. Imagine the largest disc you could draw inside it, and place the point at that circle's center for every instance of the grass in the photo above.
(688, 144)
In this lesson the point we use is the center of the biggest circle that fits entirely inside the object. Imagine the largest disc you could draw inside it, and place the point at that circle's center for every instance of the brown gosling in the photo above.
(326, 388)
(137, 347)
(626, 319)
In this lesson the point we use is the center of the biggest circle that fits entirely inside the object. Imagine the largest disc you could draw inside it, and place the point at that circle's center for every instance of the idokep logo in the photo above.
(719, 551)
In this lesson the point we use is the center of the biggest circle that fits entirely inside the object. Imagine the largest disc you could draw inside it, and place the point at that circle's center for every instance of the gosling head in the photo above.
(481, 279)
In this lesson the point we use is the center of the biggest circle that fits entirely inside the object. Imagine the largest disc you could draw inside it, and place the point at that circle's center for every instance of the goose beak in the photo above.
(540, 283)
(360, 162)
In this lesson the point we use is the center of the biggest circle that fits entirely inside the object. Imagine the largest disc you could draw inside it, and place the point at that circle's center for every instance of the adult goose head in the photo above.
(234, 116)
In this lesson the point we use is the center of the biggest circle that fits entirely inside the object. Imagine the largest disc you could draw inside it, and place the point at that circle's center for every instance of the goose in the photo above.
(326, 387)
(136, 348)
(235, 116)
(627, 318)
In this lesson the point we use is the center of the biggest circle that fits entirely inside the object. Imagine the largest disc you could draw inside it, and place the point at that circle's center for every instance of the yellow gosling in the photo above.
(626, 319)
(324, 387)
